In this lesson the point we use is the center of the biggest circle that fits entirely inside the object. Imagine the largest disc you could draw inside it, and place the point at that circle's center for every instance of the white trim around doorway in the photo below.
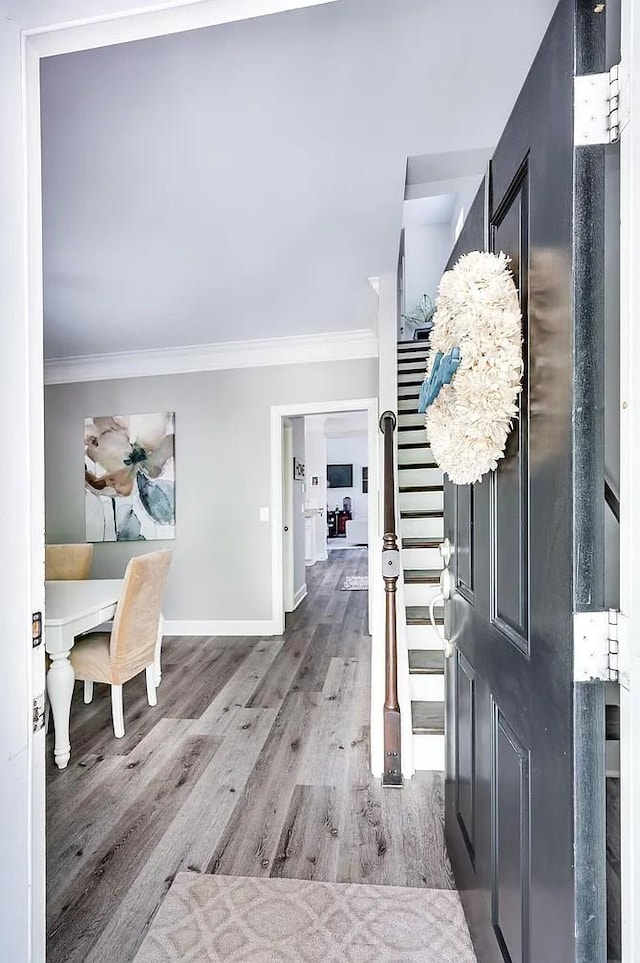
(278, 413)
(45, 30)
(629, 618)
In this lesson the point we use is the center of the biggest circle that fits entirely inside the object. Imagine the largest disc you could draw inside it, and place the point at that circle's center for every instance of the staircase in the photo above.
(420, 499)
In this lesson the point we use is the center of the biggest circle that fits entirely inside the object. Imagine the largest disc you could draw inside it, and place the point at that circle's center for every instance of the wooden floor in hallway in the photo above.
(253, 763)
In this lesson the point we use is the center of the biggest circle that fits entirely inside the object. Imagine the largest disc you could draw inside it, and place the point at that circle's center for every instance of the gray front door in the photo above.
(528, 544)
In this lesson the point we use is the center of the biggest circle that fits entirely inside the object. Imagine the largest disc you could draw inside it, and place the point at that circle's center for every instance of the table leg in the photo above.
(60, 680)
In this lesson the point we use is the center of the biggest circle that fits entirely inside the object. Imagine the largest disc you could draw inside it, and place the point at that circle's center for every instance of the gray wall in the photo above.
(426, 252)
(221, 567)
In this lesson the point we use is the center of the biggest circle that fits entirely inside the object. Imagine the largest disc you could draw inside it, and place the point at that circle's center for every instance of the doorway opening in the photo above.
(319, 505)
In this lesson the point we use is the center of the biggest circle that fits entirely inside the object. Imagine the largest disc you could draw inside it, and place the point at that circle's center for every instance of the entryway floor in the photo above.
(253, 763)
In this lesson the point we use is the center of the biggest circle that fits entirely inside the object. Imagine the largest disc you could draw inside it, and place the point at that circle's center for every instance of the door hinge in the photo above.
(596, 108)
(38, 712)
(596, 646)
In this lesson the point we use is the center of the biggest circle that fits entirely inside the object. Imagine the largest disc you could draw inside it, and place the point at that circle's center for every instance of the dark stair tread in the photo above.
(429, 513)
(409, 384)
(406, 489)
(412, 444)
(410, 427)
(408, 397)
(427, 718)
(421, 576)
(421, 542)
(416, 465)
(426, 661)
(411, 371)
(419, 615)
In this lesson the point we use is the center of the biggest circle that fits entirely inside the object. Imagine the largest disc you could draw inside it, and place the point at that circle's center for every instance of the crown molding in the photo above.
(296, 349)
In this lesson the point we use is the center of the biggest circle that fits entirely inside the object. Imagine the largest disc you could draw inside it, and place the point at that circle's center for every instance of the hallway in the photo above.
(254, 763)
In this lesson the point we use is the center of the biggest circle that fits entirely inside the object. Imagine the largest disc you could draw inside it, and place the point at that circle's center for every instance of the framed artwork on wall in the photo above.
(339, 476)
(129, 475)
(365, 481)
(298, 469)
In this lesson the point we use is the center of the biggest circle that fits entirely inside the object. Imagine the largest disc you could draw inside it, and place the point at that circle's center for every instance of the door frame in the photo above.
(43, 33)
(62, 32)
(288, 567)
(630, 481)
(278, 414)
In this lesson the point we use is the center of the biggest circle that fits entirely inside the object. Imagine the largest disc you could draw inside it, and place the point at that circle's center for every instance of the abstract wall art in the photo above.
(129, 477)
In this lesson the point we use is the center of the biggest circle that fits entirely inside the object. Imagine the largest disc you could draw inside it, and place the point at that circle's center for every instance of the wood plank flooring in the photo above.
(253, 763)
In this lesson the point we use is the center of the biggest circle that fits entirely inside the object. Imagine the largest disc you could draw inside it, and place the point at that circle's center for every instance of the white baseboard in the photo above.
(211, 627)
(299, 596)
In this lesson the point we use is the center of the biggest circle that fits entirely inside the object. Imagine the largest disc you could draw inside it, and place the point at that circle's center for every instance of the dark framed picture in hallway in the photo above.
(339, 476)
(365, 480)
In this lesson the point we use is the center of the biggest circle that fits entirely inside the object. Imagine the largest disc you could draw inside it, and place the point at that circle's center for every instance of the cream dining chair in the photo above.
(130, 648)
(66, 562)
(62, 563)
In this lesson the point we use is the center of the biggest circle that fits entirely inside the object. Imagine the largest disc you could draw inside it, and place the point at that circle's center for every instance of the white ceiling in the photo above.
(243, 181)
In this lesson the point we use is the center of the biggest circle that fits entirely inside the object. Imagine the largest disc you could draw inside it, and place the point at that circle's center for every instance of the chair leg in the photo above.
(158, 663)
(88, 691)
(117, 712)
(150, 672)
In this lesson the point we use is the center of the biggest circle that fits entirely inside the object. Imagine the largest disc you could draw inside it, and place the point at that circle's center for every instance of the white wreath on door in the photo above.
(478, 312)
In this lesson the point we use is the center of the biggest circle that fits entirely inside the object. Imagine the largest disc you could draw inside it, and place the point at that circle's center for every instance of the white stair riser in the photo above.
(423, 637)
(408, 404)
(426, 688)
(425, 501)
(420, 351)
(409, 456)
(413, 437)
(428, 752)
(421, 558)
(423, 476)
(427, 527)
(420, 476)
(420, 593)
(411, 418)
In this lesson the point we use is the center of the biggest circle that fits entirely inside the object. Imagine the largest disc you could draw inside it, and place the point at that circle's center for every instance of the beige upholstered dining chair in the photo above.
(65, 562)
(130, 648)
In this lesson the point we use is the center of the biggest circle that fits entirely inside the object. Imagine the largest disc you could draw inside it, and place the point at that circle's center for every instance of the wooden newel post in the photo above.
(392, 774)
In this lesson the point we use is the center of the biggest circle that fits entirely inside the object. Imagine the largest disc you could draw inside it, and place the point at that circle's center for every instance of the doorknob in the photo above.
(447, 644)
(286, 528)
(446, 585)
(446, 591)
(446, 551)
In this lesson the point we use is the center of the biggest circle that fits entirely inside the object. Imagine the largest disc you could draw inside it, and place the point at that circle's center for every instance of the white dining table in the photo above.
(70, 609)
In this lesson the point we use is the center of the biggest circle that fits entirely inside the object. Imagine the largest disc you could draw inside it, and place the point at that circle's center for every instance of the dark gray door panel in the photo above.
(527, 539)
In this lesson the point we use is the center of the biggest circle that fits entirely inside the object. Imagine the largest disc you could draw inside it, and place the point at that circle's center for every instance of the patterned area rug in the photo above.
(210, 919)
(355, 583)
